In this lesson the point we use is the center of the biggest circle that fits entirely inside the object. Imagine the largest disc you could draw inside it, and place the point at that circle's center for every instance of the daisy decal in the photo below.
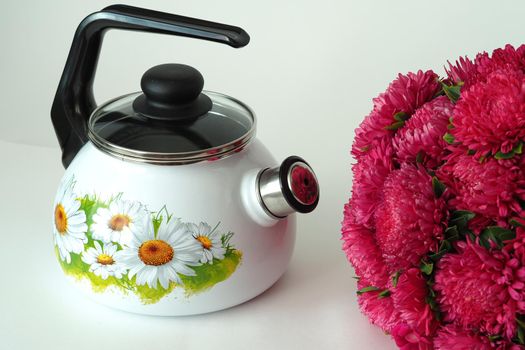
(209, 240)
(118, 222)
(104, 260)
(69, 223)
(163, 257)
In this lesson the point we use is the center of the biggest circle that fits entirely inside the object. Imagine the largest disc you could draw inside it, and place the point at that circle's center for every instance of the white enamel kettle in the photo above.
(169, 204)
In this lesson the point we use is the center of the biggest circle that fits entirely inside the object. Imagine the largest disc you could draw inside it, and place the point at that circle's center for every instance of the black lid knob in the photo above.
(172, 92)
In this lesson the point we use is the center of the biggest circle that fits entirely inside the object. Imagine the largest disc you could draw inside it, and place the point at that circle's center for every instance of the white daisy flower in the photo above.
(104, 260)
(69, 223)
(209, 240)
(118, 222)
(161, 258)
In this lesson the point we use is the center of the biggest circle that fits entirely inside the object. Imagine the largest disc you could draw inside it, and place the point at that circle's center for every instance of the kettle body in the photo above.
(169, 205)
(205, 194)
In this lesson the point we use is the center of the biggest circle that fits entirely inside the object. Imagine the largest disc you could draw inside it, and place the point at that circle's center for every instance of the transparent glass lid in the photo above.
(116, 127)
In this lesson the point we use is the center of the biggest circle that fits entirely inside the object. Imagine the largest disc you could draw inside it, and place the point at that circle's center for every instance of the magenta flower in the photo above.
(489, 118)
(410, 219)
(369, 175)
(405, 94)
(380, 311)
(410, 299)
(407, 338)
(471, 291)
(491, 188)
(455, 338)
(435, 228)
(422, 135)
(362, 251)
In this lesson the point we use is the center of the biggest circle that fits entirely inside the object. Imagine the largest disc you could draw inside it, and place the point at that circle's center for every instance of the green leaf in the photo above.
(449, 138)
(367, 289)
(451, 233)
(395, 278)
(401, 116)
(438, 187)
(501, 155)
(516, 223)
(419, 157)
(521, 335)
(452, 91)
(520, 323)
(385, 293)
(395, 125)
(463, 215)
(426, 267)
(494, 337)
(497, 235)
(518, 149)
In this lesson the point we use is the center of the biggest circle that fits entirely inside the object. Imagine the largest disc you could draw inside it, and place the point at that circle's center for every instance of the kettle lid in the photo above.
(172, 121)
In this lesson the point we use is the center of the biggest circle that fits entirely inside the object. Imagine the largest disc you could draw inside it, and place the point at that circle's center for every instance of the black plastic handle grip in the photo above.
(74, 101)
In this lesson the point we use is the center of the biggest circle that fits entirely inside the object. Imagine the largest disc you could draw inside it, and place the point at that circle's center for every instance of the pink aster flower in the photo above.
(491, 188)
(362, 251)
(409, 298)
(409, 92)
(454, 338)
(422, 134)
(471, 292)
(405, 94)
(369, 175)
(410, 219)
(514, 271)
(407, 338)
(373, 129)
(464, 71)
(490, 116)
(502, 58)
(380, 311)
(470, 72)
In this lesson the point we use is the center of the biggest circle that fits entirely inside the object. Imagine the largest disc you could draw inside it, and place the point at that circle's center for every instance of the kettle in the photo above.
(169, 205)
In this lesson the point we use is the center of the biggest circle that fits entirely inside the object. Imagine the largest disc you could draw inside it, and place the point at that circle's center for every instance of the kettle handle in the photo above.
(74, 101)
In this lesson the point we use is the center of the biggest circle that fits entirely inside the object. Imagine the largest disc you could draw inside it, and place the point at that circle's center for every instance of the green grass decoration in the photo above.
(207, 275)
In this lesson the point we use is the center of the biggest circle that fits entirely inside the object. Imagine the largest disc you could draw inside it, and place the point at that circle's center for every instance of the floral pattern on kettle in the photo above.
(120, 243)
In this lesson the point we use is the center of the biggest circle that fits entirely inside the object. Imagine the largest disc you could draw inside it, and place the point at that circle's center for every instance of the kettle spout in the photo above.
(282, 190)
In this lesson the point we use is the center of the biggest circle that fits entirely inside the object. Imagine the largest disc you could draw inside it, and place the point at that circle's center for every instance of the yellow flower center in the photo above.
(118, 222)
(60, 219)
(155, 252)
(105, 259)
(205, 241)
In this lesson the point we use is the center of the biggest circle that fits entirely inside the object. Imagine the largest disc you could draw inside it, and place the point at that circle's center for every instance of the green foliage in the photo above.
(518, 149)
(395, 125)
(438, 187)
(449, 138)
(426, 267)
(453, 92)
(367, 289)
(383, 294)
(496, 235)
(401, 116)
(395, 278)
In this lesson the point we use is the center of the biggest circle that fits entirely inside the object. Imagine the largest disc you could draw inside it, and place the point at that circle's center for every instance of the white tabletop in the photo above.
(313, 306)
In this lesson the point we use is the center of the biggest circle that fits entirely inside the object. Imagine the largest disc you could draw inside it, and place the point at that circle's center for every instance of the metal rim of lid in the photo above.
(178, 158)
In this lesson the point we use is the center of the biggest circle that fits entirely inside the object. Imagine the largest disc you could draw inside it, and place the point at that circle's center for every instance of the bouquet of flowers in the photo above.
(435, 228)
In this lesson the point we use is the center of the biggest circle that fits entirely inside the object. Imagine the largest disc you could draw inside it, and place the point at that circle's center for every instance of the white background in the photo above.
(309, 72)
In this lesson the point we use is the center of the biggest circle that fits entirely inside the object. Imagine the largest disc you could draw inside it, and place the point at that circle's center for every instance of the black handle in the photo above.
(74, 99)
